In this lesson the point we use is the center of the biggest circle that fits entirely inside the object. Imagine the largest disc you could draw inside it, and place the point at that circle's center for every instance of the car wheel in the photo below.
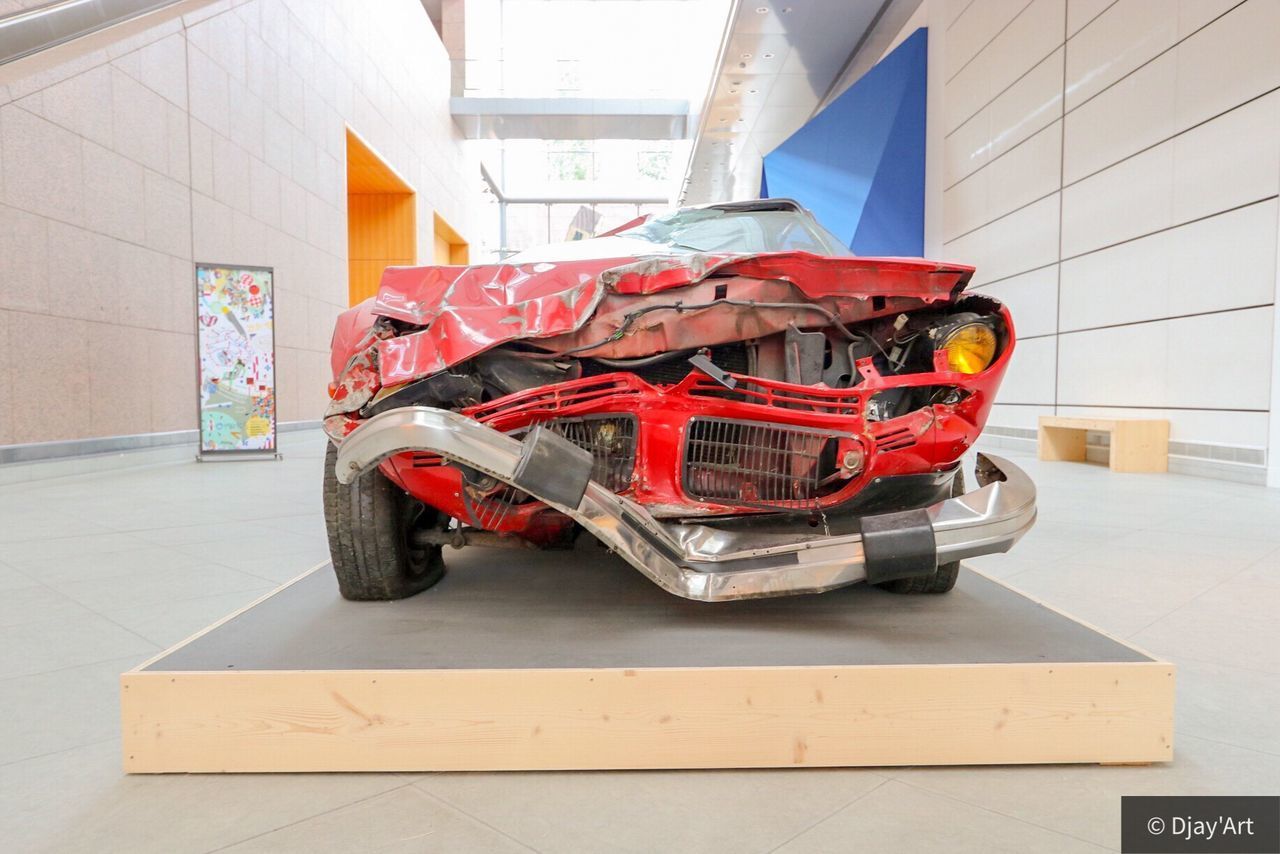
(944, 576)
(371, 523)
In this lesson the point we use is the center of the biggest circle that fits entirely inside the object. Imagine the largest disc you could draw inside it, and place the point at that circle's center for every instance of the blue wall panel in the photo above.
(859, 164)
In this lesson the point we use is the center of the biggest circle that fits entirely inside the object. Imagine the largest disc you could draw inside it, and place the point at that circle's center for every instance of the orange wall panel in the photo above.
(381, 232)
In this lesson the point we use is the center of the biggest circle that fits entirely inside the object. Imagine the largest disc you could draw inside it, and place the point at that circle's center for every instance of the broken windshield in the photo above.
(719, 230)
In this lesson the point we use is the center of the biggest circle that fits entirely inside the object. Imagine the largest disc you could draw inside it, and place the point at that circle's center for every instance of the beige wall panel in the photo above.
(215, 137)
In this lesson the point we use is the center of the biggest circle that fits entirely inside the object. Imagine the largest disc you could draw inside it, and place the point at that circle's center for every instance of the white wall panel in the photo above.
(1030, 375)
(964, 206)
(1170, 363)
(1134, 114)
(1123, 37)
(1132, 198)
(971, 32)
(1099, 367)
(1229, 161)
(1028, 105)
(1021, 241)
(952, 10)
(1081, 12)
(1228, 62)
(1019, 112)
(1032, 299)
(1194, 14)
(1025, 417)
(1024, 174)
(1226, 261)
(967, 149)
(1028, 39)
(1170, 155)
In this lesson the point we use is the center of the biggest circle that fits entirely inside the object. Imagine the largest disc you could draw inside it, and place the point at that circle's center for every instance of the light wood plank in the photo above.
(415, 720)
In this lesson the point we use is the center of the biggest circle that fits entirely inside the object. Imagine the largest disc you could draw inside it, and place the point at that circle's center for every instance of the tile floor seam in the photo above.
(459, 810)
(305, 819)
(1255, 671)
(1253, 750)
(1180, 733)
(1204, 592)
(1018, 819)
(830, 815)
(4, 679)
(53, 589)
(38, 756)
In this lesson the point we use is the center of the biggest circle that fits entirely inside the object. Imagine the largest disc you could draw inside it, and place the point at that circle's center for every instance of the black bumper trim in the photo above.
(899, 545)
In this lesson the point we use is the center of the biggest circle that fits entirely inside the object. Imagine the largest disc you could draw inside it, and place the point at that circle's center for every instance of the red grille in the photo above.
(781, 395)
(555, 398)
(759, 465)
(896, 439)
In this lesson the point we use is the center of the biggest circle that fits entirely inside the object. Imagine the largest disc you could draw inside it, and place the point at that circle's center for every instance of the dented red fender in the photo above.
(468, 310)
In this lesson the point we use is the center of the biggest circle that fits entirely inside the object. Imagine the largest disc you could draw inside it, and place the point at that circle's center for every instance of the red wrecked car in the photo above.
(724, 396)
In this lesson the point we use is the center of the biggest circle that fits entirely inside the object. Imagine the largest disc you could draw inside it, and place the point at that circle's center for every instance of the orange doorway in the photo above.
(381, 219)
(450, 248)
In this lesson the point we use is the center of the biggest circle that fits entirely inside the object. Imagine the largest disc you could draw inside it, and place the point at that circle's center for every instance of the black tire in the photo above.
(370, 522)
(943, 578)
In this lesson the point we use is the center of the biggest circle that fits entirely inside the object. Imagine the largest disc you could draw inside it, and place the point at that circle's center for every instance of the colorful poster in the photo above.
(237, 359)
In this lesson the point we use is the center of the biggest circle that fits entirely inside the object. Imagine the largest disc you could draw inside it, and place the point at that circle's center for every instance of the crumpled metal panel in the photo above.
(467, 310)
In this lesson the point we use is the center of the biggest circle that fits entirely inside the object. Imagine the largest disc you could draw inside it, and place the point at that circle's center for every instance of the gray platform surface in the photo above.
(529, 609)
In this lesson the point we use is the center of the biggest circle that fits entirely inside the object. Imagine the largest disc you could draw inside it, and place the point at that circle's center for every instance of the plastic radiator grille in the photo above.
(611, 439)
(757, 464)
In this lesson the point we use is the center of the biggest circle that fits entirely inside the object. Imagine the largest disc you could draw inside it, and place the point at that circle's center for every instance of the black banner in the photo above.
(1215, 825)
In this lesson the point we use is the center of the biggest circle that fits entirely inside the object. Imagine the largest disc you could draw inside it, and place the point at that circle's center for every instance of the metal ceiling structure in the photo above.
(779, 62)
(571, 118)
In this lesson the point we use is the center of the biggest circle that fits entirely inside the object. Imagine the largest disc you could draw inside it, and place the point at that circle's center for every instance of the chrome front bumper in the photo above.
(700, 561)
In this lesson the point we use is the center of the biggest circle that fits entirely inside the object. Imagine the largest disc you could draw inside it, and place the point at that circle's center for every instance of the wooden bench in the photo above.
(1137, 444)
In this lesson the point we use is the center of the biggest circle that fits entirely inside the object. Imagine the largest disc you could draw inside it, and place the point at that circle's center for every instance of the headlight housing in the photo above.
(970, 342)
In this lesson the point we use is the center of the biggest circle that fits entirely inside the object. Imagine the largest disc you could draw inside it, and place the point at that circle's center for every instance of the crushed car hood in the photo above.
(464, 311)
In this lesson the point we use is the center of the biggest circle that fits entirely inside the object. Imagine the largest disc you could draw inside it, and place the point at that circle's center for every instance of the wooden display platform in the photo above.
(572, 660)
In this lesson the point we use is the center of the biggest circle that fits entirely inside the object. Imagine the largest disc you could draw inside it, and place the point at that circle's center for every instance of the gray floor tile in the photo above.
(897, 817)
(282, 567)
(403, 820)
(13, 579)
(29, 522)
(22, 605)
(1121, 600)
(251, 547)
(108, 565)
(1229, 704)
(78, 801)
(168, 622)
(643, 811)
(157, 586)
(47, 712)
(1084, 800)
(1232, 624)
(187, 534)
(53, 547)
(69, 642)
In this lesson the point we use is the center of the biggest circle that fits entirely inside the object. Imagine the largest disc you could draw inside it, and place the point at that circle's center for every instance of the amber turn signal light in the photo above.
(970, 347)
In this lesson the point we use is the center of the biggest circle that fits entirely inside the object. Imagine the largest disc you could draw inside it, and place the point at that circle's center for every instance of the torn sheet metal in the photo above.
(467, 310)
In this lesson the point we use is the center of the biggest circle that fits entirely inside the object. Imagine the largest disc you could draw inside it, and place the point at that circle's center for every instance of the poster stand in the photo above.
(235, 362)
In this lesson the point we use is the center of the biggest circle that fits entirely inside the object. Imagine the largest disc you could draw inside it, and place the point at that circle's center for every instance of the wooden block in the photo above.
(1140, 446)
(1137, 445)
(1061, 443)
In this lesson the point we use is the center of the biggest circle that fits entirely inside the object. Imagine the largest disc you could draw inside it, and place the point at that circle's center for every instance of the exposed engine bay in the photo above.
(804, 353)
